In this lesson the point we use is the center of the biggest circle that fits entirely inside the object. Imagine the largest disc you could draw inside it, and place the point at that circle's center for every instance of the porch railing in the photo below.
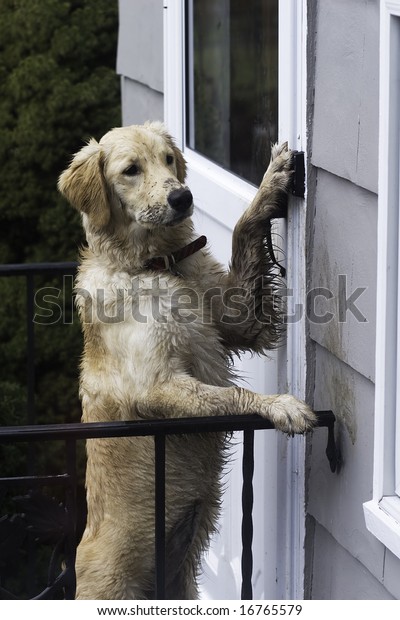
(61, 582)
(159, 429)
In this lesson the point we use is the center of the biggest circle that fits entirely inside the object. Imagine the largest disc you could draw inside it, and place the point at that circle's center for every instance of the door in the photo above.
(223, 104)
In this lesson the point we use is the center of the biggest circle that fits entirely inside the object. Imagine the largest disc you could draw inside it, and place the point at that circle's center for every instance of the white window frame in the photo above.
(292, 127)
(199, 167)
(382, 513)
(291, 118)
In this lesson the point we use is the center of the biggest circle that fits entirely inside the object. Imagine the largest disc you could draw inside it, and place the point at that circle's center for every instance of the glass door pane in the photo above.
(232, 83)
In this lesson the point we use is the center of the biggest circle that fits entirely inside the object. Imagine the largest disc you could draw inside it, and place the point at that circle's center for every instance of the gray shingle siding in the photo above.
(140, 60)
(345, 560)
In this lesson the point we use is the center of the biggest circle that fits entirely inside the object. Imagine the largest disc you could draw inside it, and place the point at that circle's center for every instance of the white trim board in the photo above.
(382, 512)
(292, 127)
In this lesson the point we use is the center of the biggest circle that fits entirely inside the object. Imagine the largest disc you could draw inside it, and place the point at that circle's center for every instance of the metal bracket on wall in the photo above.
(327, 418)
(299, 174)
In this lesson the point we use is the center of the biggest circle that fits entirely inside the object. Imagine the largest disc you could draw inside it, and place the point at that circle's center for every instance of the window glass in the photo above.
(232, 79)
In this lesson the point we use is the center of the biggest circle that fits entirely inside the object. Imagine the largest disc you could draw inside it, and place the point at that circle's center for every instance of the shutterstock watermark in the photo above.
(317, 304)
(153, 300)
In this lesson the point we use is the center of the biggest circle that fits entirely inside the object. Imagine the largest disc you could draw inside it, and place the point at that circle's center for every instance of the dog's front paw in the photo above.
(290, 415)
(280, 170)
(279, 150)
(271, 198)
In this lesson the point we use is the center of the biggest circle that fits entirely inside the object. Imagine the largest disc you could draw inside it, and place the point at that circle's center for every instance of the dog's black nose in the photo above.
(180, 199)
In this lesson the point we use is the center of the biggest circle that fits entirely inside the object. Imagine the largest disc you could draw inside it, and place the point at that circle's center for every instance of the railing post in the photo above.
(159, 508)
(31, 346)
(247, 516)
(30, 336)
(70, 504)
(30, 360)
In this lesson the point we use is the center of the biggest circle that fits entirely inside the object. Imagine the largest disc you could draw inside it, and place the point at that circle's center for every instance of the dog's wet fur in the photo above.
(143, 358)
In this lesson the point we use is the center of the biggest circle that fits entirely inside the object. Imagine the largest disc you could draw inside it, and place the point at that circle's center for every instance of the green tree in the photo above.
(58, 87)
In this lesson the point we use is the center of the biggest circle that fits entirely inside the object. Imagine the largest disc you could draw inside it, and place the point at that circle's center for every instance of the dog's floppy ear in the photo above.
(84, 186)
(160, 128)
(180, 162)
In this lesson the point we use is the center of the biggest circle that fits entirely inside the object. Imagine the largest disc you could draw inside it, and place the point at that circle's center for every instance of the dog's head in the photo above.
(135, 173)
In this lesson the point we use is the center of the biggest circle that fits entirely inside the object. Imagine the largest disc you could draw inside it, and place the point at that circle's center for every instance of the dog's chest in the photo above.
(156, 326)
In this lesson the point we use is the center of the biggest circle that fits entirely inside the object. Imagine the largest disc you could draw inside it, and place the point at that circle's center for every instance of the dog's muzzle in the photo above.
(180, 199)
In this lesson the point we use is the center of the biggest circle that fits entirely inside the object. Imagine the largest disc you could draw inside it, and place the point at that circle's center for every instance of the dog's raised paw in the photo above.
(290, 415)
(281, 159)
(280, 170)
(278, 149)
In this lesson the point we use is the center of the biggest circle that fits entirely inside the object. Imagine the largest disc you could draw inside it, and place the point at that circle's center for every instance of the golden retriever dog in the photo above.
(161, 320)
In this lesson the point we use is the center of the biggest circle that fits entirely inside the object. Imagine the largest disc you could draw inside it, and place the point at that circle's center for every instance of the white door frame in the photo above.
(292, 358)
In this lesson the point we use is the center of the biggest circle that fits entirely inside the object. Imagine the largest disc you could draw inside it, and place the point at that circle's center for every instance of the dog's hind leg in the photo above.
(108, 567)
(184, 396)
(183, 548)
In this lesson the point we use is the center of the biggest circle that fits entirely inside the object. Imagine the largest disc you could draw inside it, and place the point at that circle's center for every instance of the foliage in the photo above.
(58, 87)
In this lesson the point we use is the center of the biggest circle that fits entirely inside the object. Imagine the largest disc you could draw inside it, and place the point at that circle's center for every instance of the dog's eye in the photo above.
(132, 170)
(170, 159)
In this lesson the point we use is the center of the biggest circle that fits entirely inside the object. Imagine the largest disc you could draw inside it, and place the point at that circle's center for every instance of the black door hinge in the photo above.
(299, 174)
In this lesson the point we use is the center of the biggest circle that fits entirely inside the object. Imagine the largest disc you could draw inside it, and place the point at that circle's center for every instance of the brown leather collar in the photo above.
(168, 262)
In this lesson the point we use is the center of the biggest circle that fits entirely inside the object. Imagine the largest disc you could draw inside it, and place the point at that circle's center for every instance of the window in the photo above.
(248, 115)
(232, 78)
(382, 513)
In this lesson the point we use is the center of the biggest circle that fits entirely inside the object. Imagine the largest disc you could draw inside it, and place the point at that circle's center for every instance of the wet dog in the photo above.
(161, 319)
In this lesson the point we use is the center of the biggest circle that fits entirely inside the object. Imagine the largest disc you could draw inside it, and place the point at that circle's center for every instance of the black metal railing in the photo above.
(29, 271)
(61, 581)
(159, 429)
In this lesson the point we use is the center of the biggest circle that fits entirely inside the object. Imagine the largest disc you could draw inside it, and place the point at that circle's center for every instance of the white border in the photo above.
(382, 512)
